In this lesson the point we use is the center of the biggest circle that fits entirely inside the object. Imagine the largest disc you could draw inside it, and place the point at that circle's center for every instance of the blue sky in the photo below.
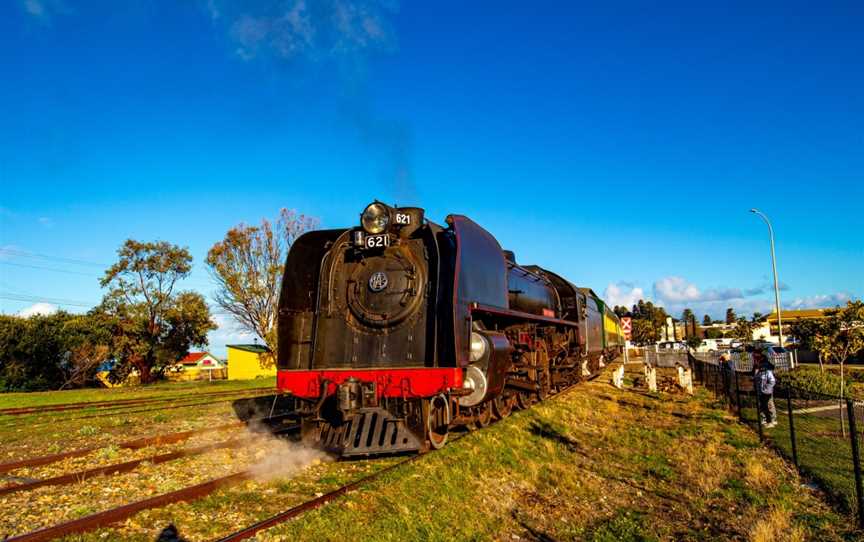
(620, 146)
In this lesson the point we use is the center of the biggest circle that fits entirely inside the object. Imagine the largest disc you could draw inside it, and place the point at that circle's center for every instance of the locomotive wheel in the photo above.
(523, 400)
(438, 421)
(502, 406)
(483, 415)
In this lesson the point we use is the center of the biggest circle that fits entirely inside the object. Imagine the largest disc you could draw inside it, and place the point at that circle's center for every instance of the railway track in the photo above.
(123, 412)
(118, 468)
(114, 515)
(127, 466)
(294, 511)
(19, 411)
(168, 438)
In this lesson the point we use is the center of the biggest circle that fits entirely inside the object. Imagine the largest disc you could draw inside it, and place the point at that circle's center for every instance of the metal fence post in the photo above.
(716, 374)
(856, 460)
(738, 398)
(791, 426)
(758, 409)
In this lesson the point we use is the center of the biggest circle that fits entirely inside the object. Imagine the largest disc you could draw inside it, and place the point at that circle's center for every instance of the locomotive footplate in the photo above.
(368, 431)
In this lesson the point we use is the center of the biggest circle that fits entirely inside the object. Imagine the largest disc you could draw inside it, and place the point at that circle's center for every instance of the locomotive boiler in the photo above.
(395, 331)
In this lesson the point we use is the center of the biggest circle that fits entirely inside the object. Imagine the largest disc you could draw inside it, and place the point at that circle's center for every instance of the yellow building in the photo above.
(245, 362)
(197, 366)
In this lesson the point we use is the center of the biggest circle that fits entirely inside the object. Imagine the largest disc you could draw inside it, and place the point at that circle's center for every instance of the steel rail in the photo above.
(168, 438)
(107, 517)
(293, 512)
(285, 515)
(18, 411)
(119, 468)
(125, 412)
(113, 515)
(127, 466)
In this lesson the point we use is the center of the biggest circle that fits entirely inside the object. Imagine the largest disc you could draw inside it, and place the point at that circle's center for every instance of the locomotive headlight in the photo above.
(478, 346)
(375, 218)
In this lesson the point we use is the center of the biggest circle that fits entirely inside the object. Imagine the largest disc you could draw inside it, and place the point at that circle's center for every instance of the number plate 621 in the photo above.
(375, 241)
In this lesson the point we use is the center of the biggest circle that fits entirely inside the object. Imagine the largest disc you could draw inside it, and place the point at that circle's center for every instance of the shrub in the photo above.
(815, 381)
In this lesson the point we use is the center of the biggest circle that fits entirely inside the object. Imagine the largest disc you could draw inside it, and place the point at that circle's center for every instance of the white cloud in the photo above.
(676, 289)
(44, 309)
(818, 301)
(624, 294)
(677, 293)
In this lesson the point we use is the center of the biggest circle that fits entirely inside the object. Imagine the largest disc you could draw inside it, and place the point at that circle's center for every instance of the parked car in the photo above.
(710, 345)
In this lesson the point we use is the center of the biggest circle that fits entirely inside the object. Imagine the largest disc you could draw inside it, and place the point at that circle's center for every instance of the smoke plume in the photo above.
(338, 37)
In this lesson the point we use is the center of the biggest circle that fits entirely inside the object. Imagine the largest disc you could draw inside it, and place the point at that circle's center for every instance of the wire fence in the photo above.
(821, 434)
(671, 358)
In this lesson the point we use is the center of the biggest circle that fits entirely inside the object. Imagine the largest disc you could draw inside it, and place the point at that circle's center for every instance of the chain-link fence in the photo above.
(820, 433)
(743, 361)
(668, 358)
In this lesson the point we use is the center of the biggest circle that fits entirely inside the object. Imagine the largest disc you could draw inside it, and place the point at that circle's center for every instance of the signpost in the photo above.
(627, 327)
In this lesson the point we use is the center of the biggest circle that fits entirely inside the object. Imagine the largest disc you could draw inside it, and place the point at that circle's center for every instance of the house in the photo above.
(247, 361)
(198, 366)
(767, 329)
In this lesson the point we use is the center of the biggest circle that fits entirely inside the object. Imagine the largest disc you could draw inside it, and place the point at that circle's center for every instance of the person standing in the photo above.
(728, 369)
(764, 382)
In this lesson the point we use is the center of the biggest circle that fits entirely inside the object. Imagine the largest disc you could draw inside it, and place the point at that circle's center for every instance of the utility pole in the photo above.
(774, 268)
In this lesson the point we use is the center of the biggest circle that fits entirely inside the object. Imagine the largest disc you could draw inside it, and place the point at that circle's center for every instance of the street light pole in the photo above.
(774, 267)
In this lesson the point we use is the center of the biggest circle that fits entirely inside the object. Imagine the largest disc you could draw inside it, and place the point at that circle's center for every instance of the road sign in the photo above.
(627, 327)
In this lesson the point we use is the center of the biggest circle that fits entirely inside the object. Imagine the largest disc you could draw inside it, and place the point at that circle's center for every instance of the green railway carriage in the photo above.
(603, 327)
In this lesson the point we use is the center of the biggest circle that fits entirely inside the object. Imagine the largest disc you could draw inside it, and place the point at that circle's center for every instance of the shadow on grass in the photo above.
(546, 430)
(534, 533)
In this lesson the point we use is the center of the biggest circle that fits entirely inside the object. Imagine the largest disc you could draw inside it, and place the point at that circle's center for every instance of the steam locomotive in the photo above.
(394, 332)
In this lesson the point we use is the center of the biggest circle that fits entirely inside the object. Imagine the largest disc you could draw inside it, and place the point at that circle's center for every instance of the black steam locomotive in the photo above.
(396, 331)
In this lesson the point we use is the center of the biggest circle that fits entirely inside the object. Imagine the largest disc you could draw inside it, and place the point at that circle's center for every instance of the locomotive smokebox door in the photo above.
(385, 290)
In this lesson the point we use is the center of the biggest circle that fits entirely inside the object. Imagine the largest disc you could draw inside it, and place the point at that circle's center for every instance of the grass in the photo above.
(823, 453)
(595, 464)
(159, 390)
(51, 432)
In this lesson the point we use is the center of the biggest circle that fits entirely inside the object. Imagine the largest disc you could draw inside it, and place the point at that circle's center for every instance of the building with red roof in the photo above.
(198, 366)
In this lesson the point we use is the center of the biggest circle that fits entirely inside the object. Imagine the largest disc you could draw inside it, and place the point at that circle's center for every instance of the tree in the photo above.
(644, 332)
(744, 329)
(693, 342)
(152, 325)
(31, 352)
(757, 316)
(248, 265)
(687, 316)
(51, 352)
(841, 335)
(804, 331)
(87, 341)
(730, 316)
(713, 334)
(706, 320)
